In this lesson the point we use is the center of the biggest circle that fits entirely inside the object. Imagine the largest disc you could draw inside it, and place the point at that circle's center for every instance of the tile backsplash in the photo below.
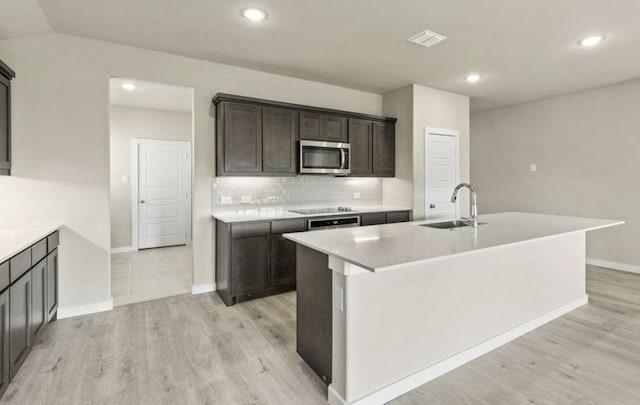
(316, 191)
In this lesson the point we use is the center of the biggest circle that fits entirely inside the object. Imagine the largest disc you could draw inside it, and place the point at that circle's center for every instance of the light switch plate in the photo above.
(356, 196)
(226, 200)
(339, 298)
(125, 178)
(534, 167)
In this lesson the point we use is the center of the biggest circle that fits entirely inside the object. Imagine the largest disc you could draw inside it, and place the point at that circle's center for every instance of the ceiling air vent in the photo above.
(427, 38)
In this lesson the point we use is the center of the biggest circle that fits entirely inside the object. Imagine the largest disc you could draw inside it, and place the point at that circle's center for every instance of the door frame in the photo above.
(135, 184)
(442, 132)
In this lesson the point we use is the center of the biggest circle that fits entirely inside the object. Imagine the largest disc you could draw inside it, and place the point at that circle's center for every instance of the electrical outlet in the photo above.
(534, 167)
(356, 196)
(245, 199)
(226, 200)
(339, 298)
(125, 178)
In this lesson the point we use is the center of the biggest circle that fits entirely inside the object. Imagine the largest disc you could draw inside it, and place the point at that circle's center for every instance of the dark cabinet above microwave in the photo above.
(6, 75)
(256, 137)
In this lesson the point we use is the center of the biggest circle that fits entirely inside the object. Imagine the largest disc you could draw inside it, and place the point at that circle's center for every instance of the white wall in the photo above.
(429, 108)
(61, 142)
(585, 146)
(127, 123)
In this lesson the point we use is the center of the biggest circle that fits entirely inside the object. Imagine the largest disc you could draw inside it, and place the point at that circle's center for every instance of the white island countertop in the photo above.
(14, 240)
(385, 247)
(276, 213)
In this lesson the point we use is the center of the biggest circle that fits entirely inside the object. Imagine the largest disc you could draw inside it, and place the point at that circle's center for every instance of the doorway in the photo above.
(151, 138)
(161, 193)
(441, 172)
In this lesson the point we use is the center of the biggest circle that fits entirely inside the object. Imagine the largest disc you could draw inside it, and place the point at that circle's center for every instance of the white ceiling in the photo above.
(150, 95)
(525, 50)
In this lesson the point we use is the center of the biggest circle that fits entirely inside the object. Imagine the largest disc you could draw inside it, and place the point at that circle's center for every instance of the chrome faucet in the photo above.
(473, 209)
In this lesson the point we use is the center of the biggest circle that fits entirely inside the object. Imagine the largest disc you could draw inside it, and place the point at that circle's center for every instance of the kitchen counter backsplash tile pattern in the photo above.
(318, 191)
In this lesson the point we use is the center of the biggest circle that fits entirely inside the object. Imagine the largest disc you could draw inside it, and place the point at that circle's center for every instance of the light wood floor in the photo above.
(194, 350)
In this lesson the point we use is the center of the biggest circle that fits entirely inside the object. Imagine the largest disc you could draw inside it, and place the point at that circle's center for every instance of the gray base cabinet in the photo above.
(5, 370)
(19, 322)
(28, 302)
(253, 260)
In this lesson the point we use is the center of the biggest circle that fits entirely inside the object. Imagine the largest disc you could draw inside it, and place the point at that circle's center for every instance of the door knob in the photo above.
(141, 201)
(432, 206)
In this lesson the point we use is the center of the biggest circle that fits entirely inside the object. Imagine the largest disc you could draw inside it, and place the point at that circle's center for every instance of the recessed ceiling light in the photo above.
(592, 41)
(128, 86)
(254, 14)
(474, 77)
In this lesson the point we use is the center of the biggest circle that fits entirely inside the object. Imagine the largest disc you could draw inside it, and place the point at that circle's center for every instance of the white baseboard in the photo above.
(68, 312)
(202, 288)
(423, 376)
(629, 268)
(125, 249)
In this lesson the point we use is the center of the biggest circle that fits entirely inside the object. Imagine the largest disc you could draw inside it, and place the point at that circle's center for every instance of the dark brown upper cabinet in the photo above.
(323, 127)
(6, 75)
(360, 132)
(279, 135)
(372, 148)
(256, 137)
(240, 146)
(384, 149)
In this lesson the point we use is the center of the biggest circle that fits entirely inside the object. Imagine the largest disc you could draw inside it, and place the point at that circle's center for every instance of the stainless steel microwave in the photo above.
(317, 157)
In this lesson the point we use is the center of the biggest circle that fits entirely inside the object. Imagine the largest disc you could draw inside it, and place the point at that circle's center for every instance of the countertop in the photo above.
(385, 247)
(15, 240)
(265, 214)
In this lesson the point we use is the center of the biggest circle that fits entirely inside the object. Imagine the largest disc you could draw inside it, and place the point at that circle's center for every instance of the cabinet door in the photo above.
(375, 218)
(5, 126)
(400, 216)
(5, 375)
(20, 325)
(249, 265)
(52, 285)
(279, 132)
(283, 262)
(242, 138)
(384, 149)
(334, 128)
(310, 126)
(360, 141)
(39, 314)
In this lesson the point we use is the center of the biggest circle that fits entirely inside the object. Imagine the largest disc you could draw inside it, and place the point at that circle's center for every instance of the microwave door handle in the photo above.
(343, 158)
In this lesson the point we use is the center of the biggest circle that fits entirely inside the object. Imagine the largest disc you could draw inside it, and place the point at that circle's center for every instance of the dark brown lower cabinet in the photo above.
(5, 373)
(19, 322)
(39, 314)
(29, 301)
(52, 285)
(250, 257)
(254, 260)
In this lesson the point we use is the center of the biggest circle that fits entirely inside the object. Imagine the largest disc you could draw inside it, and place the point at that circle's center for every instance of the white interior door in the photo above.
(441, 172)
(164, 191)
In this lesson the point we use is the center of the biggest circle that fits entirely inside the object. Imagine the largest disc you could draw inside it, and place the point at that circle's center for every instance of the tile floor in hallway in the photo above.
(151, 274)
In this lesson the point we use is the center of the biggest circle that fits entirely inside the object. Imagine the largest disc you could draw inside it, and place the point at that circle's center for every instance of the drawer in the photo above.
(400, 216)
(39, 251)
(288, 225)
(4, 276)
(246, 230)
(53, 241)
(377, 218)
(20, 264)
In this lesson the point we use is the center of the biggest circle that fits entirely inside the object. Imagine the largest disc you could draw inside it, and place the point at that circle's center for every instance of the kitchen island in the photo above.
(384, 309)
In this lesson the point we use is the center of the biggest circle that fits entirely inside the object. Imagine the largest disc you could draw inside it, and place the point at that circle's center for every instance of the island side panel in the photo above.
(313, 300)
(404, 321)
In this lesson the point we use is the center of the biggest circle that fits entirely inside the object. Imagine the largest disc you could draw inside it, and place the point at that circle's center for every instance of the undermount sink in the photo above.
(448, 224)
